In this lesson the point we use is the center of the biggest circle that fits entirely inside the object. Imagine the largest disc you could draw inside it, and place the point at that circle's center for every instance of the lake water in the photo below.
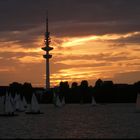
(118, 120)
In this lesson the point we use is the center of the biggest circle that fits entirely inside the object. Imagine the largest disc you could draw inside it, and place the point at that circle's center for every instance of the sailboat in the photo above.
(16, 99)
(63, 101)
(9, 110)
(12, 99)
(2, 105)
(7, 105)
(93, 103)
(33, 108)
(34, 104)
(58, 102)
(24, 102)
(138, 103)
(19, 103)
(54, 98)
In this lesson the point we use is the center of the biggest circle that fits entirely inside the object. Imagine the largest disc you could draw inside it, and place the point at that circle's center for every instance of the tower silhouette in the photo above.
(47, 56)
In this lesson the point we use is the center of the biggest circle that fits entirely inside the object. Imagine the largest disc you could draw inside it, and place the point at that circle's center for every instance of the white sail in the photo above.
(24, 102)
(93, 103)
(12, 99)
(2, 105)
(54, 95)
(54, 98)
(138, 103)
(17, 100)
(58, 102)
(8, 105)
(63, 101)
(11, 107)
(21, 105)
(34, 104)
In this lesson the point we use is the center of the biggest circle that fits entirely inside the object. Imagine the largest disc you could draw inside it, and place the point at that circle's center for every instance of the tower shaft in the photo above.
(47, 56)
(47, 74)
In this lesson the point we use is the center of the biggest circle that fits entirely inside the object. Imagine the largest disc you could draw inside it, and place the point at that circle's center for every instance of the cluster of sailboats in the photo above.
(61, 102)
(57, 102)
(9, 105)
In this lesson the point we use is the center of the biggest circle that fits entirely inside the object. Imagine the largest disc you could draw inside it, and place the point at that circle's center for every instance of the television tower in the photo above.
(47, 56)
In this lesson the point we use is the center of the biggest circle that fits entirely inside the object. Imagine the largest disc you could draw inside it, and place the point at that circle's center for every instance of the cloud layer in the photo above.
(91, 38)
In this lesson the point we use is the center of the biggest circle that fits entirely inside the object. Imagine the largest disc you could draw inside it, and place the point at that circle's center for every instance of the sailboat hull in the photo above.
(8, 115)
(34, 113)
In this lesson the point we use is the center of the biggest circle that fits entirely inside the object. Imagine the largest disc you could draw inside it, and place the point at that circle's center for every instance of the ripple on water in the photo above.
(117, 120)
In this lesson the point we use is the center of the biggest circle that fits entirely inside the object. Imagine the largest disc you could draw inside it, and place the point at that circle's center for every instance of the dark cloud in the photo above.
(22, 21)
(71, 17)
(97, 28)
(21, 14)
(23, 38)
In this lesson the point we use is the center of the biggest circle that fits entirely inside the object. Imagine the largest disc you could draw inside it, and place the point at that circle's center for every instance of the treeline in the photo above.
(24, 90)
(103, 92)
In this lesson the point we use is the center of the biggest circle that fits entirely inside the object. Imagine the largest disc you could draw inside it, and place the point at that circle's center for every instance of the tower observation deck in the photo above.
(47, 56)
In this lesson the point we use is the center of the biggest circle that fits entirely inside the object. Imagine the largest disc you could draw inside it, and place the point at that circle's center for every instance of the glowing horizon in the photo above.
(81, 58)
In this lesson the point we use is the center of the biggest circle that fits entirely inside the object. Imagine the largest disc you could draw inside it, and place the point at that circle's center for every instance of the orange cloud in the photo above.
(87, 57)
(31, 59)
(76, 41)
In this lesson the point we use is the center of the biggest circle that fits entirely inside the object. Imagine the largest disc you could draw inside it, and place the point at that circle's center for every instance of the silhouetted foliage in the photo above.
(84, 91)
(63, 90)
(27, 91)
(103, 92)
(74, 85)
(98, 83)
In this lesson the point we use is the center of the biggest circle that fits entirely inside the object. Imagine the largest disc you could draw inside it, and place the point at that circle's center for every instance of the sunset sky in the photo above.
(91, 38)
